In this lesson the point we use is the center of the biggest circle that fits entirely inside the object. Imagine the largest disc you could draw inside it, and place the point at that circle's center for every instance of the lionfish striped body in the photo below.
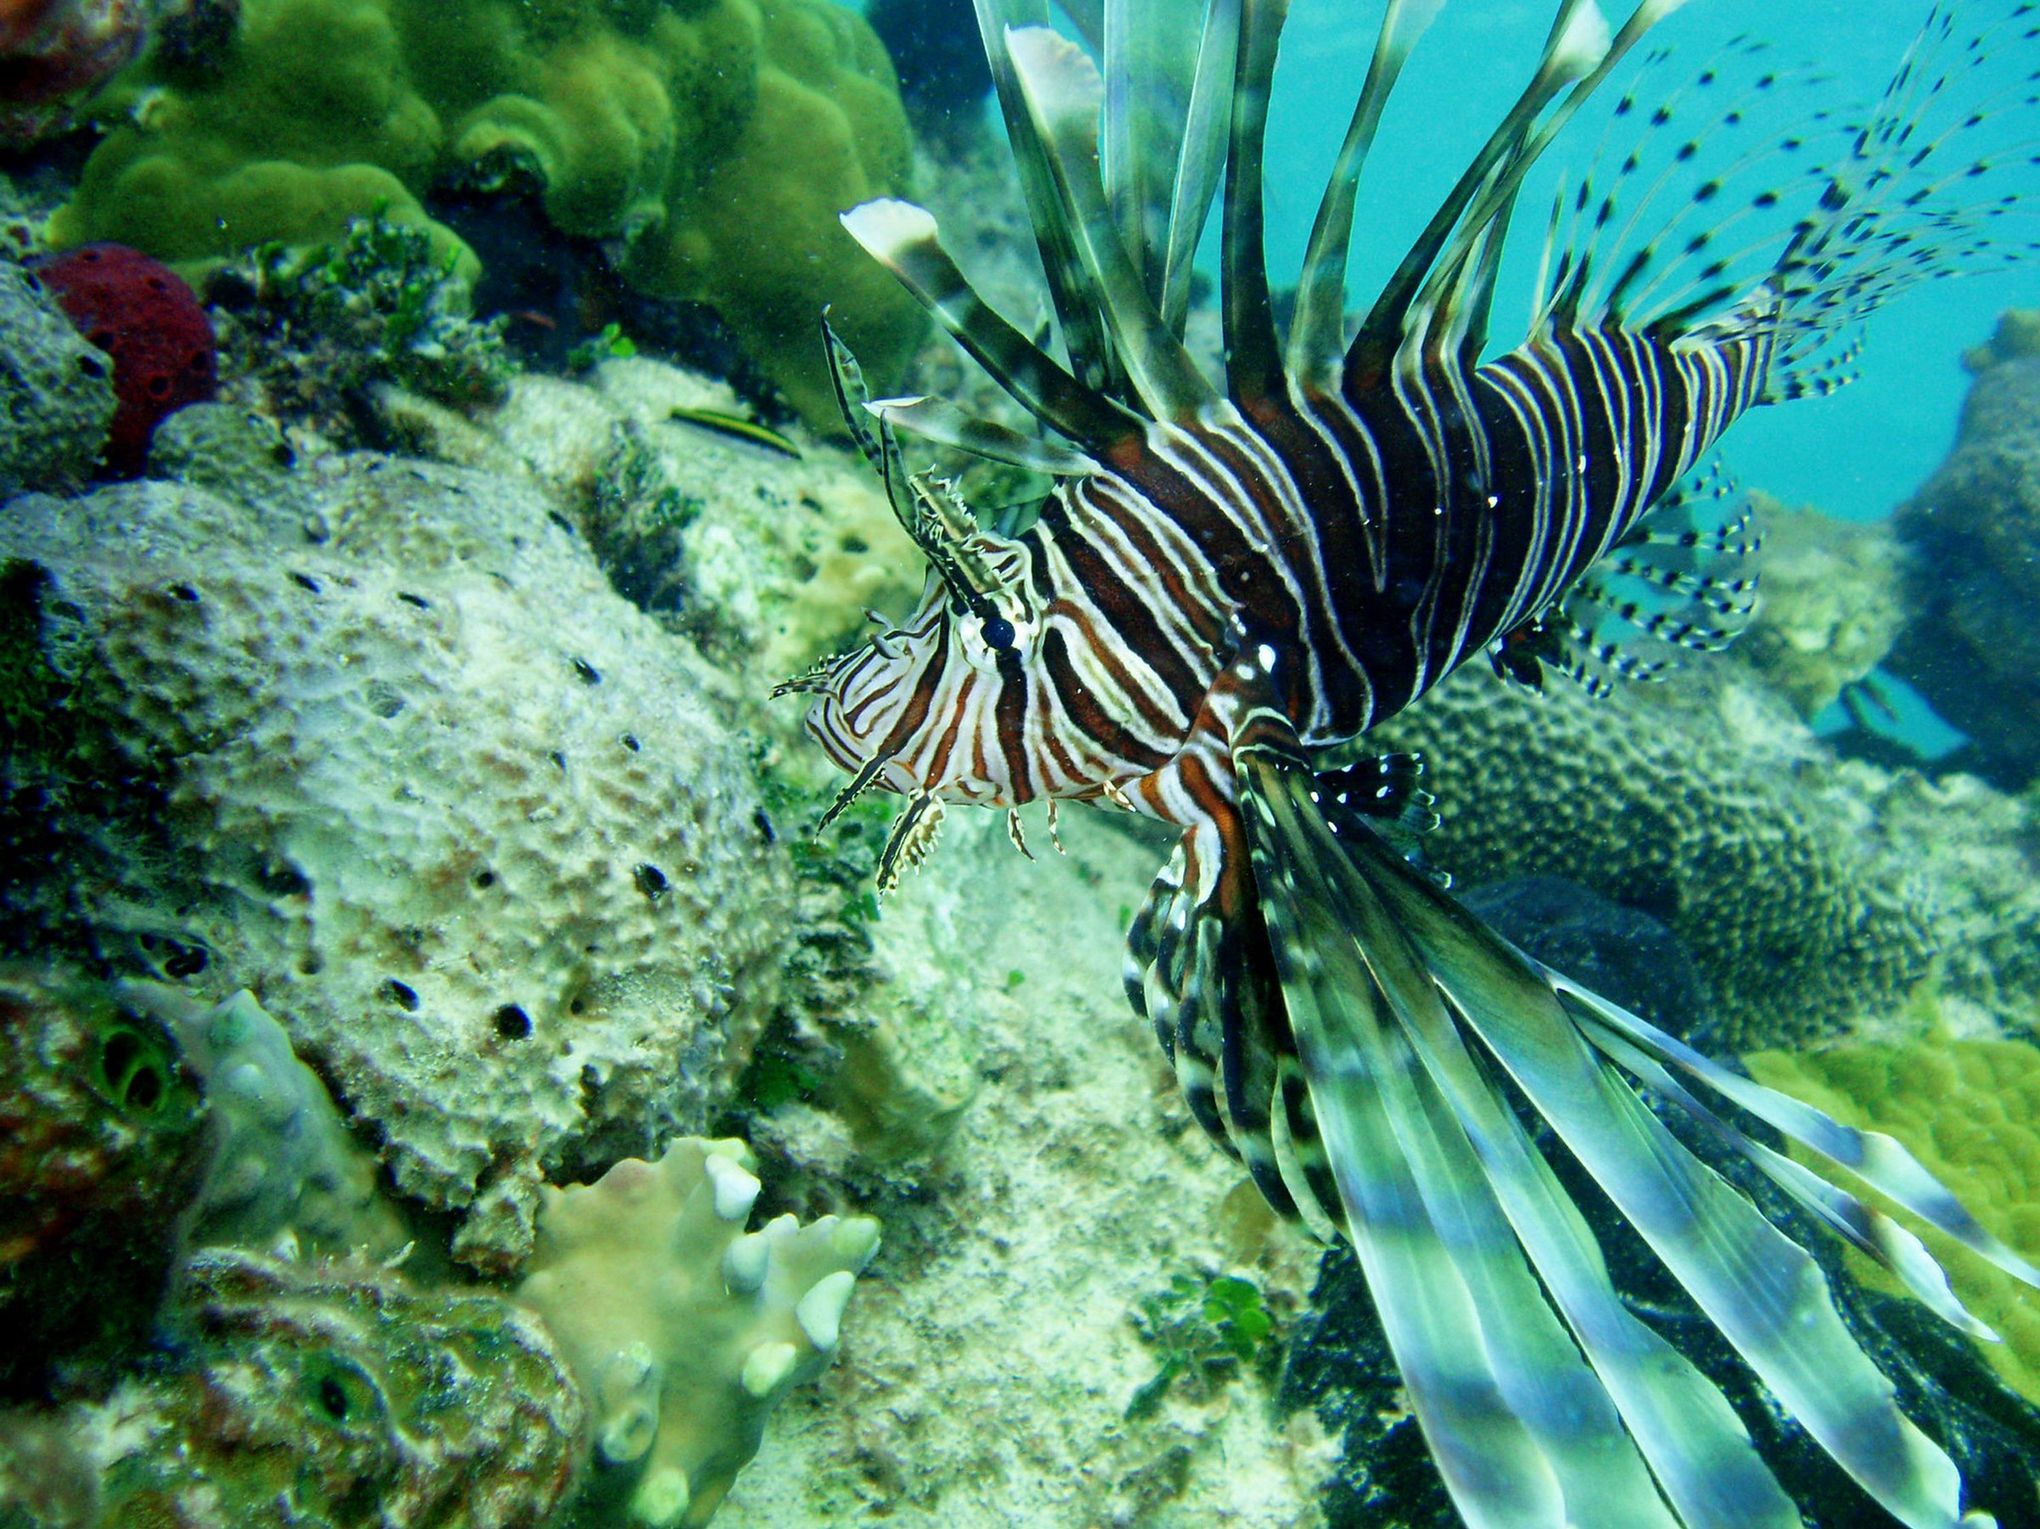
(1226, 589)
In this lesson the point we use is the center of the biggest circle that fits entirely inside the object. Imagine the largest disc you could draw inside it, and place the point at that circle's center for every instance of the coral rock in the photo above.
(685, 1328)
(381, 740)
(1971, 646)
(1698, 802)
(140, 312)
(282, 1162)
(333, 1394)
(56, 391)
(101, 1147)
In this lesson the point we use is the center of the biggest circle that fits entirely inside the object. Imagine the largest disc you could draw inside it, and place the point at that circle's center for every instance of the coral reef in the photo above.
(1702, 803)
(377, 741)
(326, 1394)
(685, 1328)
(139, 312)
(1971, 646)
(281, 1161)
(315, 329)
(56, 391)
(102, 1143)
(1970, 1111)
(715, 141)
(1832, 606)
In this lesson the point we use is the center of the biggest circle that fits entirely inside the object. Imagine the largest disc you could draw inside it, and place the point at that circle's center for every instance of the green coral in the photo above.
(1970, 1111)
(714, 140)
(317, 327)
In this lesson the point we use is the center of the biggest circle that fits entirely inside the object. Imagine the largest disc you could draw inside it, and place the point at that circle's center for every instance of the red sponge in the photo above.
(140, 313)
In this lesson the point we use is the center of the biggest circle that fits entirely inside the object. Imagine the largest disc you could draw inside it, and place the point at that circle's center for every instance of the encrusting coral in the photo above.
(378, 741)
(1697, 801)
(56, 391)
(685, 1328)
(1970, 1111)
(281, 1160)
(715, 140)
(321, 1394)
(102, 1144)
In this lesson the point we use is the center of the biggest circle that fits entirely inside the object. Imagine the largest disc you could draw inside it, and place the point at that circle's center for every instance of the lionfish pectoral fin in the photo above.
(1457, 1218)
(1346, 912)
(911, 841)
(1684, 576)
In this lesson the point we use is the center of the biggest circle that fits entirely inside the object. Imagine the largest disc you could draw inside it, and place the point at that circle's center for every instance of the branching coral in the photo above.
(686, 1329)
(716, 140)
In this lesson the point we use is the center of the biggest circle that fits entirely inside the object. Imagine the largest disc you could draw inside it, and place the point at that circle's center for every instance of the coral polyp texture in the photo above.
(686, 1329)
(378, 742)
(1703, 803)
(714, 140)
(320, 1395)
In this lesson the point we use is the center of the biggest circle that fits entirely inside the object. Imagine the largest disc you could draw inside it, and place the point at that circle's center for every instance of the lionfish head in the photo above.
(917, 709)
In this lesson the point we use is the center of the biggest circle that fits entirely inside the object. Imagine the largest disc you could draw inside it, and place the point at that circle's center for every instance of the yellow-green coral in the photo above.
(684, 1329)
(716, 140)
(1970, 1111)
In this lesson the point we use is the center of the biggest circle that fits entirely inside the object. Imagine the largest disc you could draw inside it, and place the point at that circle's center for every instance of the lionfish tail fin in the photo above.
(1404, 1014)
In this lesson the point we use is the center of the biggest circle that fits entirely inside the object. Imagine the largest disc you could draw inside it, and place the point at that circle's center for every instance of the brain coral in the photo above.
(379, 743)
(715, 140)
(1699, 802)
(686, 1329)
(331, 1394)
(1970, 1111)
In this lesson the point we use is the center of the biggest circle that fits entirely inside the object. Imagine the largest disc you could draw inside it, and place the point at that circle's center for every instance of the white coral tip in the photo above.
(735, 1190)
(744, 1262)
(855, 1239)
(820, 1312)
(661, 1497)
(768, 1365)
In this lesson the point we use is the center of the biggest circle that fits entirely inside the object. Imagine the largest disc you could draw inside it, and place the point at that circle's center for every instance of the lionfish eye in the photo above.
(998, 633)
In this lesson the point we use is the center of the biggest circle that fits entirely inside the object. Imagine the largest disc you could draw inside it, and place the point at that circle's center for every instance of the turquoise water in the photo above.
(1856, 454)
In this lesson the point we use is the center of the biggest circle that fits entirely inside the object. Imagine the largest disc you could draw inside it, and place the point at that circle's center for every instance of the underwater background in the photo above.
(442, 1078)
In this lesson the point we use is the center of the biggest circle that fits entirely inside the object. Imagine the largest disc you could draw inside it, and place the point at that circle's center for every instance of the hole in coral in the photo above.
(651, 881)
(306, 581)
(144, 1089)
(420, 601)
(157, 387)
(309, 965)
(630, 742)
(185, 961)
(586, 672)
(762, 821)
(91, 366)
(577, 1005)
(512, 1023)
(117, 1055)
(403, 993)
(559, 760)
(333, 1399)
(185, 593)
(485, 879)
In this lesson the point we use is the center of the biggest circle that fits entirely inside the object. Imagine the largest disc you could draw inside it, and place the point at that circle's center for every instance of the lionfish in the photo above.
(1228, 585)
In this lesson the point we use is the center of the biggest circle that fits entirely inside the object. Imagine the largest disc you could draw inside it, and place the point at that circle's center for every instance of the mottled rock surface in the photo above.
(377, 741)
